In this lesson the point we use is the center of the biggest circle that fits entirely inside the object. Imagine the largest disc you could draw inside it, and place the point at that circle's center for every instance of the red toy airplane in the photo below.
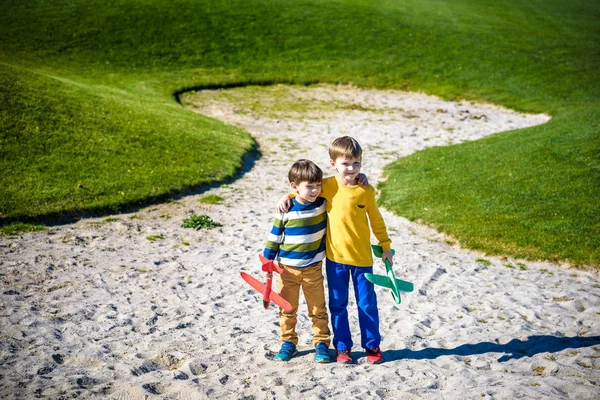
(269, 295)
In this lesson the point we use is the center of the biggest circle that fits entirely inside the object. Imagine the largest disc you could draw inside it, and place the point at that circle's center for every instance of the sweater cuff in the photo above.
(386, 245)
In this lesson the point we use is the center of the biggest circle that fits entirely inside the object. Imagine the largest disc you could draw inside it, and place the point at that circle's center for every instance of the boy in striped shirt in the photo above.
(297, 242)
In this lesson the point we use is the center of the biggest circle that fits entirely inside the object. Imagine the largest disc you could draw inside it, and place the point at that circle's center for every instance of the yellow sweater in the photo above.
(348, 233)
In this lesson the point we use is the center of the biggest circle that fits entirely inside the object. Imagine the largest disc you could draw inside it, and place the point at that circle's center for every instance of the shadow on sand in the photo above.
(514, 349)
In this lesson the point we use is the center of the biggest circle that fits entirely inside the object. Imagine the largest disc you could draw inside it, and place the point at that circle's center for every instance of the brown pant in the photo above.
(310, 279)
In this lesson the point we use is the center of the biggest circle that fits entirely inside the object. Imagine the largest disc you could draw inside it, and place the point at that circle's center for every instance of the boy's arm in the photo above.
(274, 239)
(285, 202)
(378, 227)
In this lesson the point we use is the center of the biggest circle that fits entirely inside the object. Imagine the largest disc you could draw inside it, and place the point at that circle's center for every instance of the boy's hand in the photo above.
(284, 204)
(387, 255)
(362, 180)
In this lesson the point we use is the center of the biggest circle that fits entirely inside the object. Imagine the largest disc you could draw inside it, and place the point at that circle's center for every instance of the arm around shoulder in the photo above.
(284, 203)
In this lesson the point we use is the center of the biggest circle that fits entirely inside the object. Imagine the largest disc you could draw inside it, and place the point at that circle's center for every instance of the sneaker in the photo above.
(287, 351)
(343, 356)
(322, 353)
(374, 355)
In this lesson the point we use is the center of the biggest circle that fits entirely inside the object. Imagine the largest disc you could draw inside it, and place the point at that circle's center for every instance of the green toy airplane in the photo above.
(389, 281)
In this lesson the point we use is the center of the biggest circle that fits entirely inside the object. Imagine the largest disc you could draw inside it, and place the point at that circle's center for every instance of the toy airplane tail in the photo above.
(269, 295)
(269, 266)
(389, 281)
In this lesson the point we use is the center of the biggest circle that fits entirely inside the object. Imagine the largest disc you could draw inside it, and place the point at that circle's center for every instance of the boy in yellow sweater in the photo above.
(351, 214)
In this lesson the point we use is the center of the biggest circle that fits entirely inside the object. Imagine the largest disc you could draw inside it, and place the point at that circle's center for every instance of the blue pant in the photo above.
(338, 279)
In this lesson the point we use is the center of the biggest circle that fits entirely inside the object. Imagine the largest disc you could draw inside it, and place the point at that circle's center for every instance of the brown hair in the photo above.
(305, 171)
(345, 146)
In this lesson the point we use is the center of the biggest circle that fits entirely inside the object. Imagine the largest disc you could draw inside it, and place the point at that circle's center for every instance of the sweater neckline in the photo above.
(341, 184)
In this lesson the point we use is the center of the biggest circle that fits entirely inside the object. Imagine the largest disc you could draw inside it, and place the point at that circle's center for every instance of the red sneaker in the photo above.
(343, 356)
(374, 355)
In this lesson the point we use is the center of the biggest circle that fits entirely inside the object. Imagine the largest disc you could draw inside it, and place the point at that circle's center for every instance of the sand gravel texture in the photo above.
(134, 306)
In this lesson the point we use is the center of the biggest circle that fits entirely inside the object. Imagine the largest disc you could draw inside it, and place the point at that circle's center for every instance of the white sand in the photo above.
(95, 309)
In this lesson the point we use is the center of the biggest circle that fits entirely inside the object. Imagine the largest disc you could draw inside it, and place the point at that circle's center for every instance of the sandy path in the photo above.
(96, 309)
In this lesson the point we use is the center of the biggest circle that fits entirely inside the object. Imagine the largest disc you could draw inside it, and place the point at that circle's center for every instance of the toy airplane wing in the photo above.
(385, 281)
(273, 296)
(395, 285)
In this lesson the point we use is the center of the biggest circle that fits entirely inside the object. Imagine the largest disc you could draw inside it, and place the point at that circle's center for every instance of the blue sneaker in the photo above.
(322, 353)
(287, 351)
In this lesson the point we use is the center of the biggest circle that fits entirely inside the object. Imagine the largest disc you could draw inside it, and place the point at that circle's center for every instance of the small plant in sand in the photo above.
(522, 266)
(484, 262)
(212, 199)
(152, 238)
(197, 222)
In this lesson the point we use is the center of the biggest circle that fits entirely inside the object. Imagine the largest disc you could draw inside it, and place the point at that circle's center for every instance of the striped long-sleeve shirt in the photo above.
(297, 237)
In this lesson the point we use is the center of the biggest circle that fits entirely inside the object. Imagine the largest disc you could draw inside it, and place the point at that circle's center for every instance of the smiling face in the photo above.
(306, 192)
(348, 169)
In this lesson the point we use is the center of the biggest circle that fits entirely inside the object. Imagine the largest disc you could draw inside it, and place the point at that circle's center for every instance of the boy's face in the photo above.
(348, 169)
(306, 192)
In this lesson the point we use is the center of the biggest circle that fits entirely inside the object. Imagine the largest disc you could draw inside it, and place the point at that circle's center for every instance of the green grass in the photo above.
(89, 118)
(212, 199)
(533, 193)
(69, 146)
(19, 227)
